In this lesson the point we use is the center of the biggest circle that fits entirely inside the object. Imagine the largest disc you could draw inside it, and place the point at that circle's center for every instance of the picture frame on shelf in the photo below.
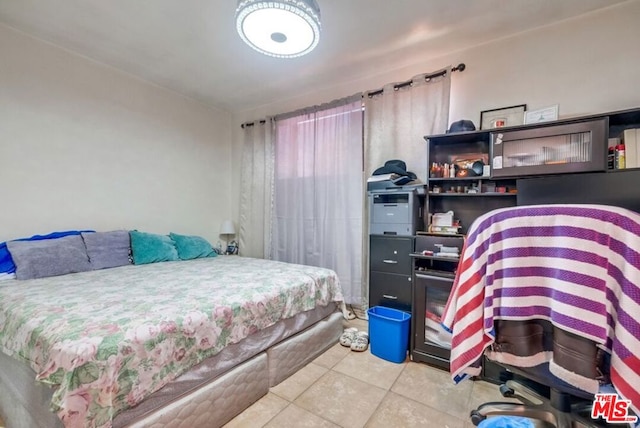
(501, 117)
(545, 114)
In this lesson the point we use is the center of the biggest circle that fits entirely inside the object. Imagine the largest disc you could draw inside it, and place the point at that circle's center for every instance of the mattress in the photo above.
(170, 317)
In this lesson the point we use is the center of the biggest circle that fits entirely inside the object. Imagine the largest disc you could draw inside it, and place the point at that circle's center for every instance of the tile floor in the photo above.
(349, 389)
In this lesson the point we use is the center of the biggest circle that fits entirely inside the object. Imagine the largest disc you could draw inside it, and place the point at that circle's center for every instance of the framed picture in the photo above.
(542, 115)
(501, 117)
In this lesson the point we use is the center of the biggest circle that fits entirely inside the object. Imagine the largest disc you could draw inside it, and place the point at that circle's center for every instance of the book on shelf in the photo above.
(631, 147)
(637, 147)
(449, 230)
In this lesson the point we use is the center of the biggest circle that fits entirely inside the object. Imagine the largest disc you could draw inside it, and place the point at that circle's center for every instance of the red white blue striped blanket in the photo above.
(577, 266)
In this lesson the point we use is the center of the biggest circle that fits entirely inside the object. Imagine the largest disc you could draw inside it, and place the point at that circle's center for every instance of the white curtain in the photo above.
(256, 190)
(397, 120)
(318, 213)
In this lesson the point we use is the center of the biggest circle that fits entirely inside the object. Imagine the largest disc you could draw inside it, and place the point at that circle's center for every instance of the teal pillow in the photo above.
(192, 247)
(151, 248)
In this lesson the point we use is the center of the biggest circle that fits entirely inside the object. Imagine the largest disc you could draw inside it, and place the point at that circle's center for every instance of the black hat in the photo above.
(395, 166)
(462, 126)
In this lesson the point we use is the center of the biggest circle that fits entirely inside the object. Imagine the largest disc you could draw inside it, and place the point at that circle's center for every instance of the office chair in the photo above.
(544, 396)
(551, 293)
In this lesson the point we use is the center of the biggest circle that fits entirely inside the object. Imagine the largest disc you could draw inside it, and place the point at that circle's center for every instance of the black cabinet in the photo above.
(390, 290)
(469, 191)
(433, 277)
(555, 162)
(568, 147)
(391, 254)
(390, 271)
(466, 187)
(469, 206)
(617, 188)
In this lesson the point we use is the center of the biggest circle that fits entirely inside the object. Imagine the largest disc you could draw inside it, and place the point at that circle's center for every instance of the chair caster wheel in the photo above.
(476, 417)
(506, 391)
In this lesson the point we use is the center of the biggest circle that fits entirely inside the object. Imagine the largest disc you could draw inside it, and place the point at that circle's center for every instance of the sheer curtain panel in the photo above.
(318, 191)
(397, 120)
(256, 197)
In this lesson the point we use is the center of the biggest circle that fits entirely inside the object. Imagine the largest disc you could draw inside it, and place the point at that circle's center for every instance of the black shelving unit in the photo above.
(471, 195)
(433, 277)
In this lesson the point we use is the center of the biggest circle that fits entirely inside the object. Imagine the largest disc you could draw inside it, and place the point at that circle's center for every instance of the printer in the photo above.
(394, 211)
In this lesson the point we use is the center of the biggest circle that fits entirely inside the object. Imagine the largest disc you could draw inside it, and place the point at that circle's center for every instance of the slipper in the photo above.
(348, 336)
(361, 342)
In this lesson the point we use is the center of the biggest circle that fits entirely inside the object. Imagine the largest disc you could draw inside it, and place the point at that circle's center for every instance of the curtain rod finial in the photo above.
(459, 67)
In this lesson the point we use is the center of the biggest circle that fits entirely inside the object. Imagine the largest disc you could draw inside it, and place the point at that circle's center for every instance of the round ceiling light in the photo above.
(280, 28)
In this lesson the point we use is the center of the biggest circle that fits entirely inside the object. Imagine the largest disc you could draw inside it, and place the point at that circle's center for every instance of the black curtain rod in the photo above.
(247, 124)
(459, 67)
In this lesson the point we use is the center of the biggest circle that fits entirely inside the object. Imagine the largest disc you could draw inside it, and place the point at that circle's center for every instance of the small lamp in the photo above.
(227, 229)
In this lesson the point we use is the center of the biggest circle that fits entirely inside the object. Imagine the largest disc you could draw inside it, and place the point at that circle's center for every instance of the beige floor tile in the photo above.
(332, 356)
(369, 368)
(361, 325)
(296, 417)
(398, 411)
(341, 399)
(295, 385)
(434, 388)
(259, 413)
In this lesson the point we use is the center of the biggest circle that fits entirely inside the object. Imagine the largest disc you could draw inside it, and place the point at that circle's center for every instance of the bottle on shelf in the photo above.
(611, 158)
(436, 171)
(620, 157)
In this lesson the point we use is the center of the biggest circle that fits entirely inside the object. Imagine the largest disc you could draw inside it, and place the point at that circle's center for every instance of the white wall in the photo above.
(85, 146)
(590, 64)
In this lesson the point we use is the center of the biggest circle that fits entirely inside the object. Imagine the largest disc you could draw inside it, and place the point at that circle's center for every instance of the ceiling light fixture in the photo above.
(280, 28)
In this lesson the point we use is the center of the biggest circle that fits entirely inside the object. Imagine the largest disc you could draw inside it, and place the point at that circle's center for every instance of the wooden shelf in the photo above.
(476, 178)
(440, 258)
(453, 195)
(430, 273)
(458, 178)
(427, 233)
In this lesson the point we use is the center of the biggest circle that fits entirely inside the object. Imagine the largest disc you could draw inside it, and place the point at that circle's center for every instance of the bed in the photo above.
(185, 343)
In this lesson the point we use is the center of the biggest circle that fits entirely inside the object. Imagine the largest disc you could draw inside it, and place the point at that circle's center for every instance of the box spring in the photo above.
(233, 379)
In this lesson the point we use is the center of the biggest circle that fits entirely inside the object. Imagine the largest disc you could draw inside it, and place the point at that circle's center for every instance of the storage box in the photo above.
(442, 219)
(389, 333)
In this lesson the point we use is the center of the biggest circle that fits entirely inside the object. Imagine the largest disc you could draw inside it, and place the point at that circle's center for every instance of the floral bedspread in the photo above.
(107, 339)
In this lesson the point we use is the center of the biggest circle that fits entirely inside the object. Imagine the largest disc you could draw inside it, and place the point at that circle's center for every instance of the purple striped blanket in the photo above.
(577, 266)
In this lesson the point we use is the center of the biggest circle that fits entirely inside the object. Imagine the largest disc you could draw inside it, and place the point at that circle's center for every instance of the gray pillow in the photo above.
(108, 249)
(49, 257)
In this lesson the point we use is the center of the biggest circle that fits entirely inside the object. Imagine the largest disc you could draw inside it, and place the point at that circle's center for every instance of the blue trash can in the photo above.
(389, 333)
